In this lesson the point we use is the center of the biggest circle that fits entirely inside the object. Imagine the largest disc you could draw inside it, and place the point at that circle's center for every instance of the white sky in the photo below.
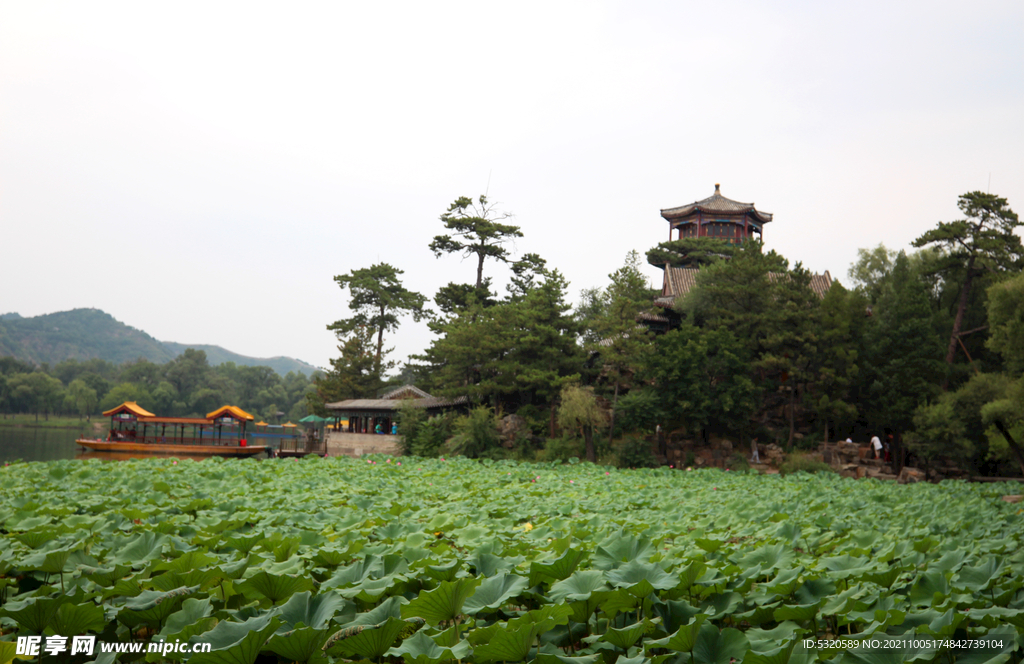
(202, 170)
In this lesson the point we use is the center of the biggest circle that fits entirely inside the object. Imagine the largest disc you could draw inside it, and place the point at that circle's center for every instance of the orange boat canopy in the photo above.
(131, 408)
(230, 411)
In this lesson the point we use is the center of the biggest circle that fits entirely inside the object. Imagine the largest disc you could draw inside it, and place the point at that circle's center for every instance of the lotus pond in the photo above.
(422, 561)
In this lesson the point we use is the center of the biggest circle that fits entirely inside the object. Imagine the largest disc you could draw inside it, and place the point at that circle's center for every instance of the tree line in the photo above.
(925, 347)
(183, 387)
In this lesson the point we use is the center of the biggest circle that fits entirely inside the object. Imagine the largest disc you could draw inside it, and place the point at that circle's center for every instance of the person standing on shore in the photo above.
(754, 456)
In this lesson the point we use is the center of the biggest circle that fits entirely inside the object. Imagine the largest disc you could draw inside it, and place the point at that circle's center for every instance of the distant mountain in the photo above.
(217, 355)
(84, 334)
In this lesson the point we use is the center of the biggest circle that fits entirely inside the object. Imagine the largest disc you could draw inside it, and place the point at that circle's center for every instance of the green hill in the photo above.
(217, 355)
(84, 334)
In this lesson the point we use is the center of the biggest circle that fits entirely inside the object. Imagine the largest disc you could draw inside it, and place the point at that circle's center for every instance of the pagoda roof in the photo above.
(129, 407)
(716, 203)
(230, 411)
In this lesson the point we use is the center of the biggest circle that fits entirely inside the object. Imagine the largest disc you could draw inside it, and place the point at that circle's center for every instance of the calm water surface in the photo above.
(38, 444)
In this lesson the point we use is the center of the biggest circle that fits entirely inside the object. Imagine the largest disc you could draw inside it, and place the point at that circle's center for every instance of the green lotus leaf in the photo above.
(389, 608)
(140, 549)
(797, 612)
(979, 577)
(191, 612)
(71, 619)
(708, 544)
(719, 647)
(627, 636)
(724, 604)
(779, 655)
(235, 643)
(153, 607)
(446, 572)
(300, 644)
(579, 586)
(106, 576)
(619, 601)
(494, 592)
(421, 649)
(39, 536)
(488, 564)
(442, 603)
(50, 562)
(557, 569)
(929, 588)
(993, 616)
(786, 582)
(369, 641)
(814, 590)
(505, 644)
(635, 573)
(620, 548)
(276, 587)
(558, 658)
(684, 639)
(192, 560)
(312, 611)
(689, 574)
(33, 614)
(770, 557)
(245, 543)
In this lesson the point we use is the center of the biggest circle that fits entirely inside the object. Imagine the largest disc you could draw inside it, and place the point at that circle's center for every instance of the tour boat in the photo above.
(135, 430)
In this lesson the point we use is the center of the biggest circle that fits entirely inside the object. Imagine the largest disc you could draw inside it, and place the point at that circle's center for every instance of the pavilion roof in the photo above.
(380, 405)
(230, 411)
(129, 407)
(405, 391)
(716, 203)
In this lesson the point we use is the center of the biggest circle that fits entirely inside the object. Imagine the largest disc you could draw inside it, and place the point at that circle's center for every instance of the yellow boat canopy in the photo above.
(131, 408)
(261, 423)
(230, 411)
(289, 424)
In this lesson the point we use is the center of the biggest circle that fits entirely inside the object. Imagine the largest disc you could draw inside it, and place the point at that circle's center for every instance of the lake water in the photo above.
(38, 444)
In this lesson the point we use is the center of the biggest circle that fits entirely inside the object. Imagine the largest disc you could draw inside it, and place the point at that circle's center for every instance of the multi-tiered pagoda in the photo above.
(719, 218)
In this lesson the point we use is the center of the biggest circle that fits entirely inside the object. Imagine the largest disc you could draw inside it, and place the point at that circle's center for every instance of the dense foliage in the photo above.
(428, 560)
(185, 386)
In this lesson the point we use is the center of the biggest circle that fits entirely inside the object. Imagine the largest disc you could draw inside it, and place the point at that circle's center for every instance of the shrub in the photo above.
(410, 420)
(635, 453)
(431, 435)
(475, 433)
(562, 449)
(738, 462)
(796, 463)
(639, 410)
(536, 418)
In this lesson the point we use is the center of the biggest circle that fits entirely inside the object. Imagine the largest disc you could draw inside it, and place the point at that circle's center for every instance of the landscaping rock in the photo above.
(911, 475)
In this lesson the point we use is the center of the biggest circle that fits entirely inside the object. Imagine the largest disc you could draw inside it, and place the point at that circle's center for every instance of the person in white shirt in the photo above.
(876, 445)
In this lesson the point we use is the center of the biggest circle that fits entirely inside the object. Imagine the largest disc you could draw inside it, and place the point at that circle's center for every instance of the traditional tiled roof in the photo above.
(716, 203)
(405, 391)
(681, 280)
(821, 283)
(354, 405)
(129, 407)
(230, 411)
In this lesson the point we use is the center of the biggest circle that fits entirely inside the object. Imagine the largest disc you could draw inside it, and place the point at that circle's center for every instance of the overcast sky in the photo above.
(202, 170)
